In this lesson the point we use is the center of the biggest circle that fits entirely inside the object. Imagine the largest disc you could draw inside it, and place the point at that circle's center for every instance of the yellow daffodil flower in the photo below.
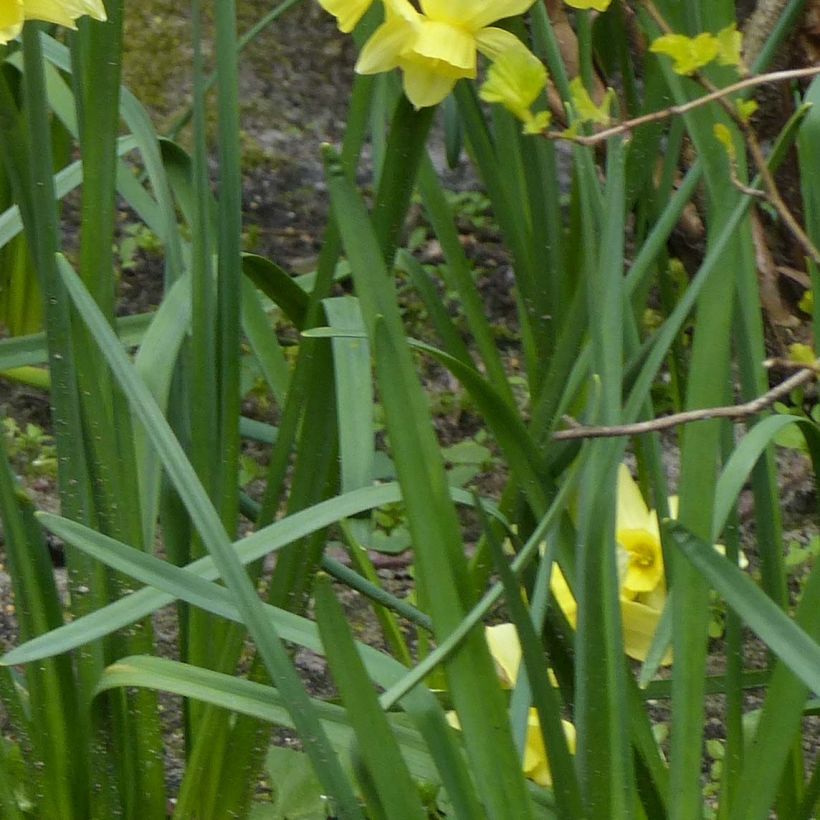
(693, 53)
(506, 651)
(640, 569)
(535, 763)
(515, 80)
(13, 13)
(598, 5)
(438, 46)
(640, 562)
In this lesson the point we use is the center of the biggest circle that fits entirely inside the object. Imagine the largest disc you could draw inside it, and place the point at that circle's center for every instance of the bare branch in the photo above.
(737, 411)
(675, 110)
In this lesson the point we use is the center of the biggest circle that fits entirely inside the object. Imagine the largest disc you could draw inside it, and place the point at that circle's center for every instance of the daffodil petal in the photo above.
(639, 624)
(644, 569)
(473, 14)
(563, 595)
(11, 20)
(742, 560)
(515, 80)
(382, 52)
(346, 12)
(505, 648)
(401, 8)
(63, 12)
(632, 514)
(424, 85)
(49, 11)
(450, 45)
(493, 42)
(598, 5)
(536, 763)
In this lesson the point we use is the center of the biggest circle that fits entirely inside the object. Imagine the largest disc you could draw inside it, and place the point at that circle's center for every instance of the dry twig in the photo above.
(736, 411)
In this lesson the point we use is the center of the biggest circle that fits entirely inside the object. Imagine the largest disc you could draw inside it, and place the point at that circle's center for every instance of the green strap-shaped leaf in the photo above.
(398, 797)
(781, 634)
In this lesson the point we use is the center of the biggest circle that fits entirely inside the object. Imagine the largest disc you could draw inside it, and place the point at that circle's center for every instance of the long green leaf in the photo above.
(396, 794)
(439, 554)
(196, 590)
(787, 640)
(207, 521)
(254, 699)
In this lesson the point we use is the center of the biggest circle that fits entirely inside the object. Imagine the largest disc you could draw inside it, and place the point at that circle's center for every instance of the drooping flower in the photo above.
(438, 46)
(515, 80)
(13, 13)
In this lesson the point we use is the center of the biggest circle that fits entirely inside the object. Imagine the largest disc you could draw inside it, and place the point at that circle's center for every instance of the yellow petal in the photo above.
(689, 53)
(639, 624)
(585, 108)
(346, 12)
(50, 11)
(644, 569)
(563, 595)
(382, 52)
(632, 512)
(401, 8)
(11, 20)
(537, 123)
(449, 45)
(506, 651)
(515, 80)
(598, 5)
(473, 14)
(742, 560)
(493, 42)
(535, 763)
(730, 41)
(92, 8)
(425, 84)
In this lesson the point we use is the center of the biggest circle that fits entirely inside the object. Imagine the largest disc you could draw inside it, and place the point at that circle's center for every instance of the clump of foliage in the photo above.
(605, 584)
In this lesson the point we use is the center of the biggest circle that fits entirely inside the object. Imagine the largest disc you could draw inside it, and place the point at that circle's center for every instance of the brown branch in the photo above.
(683, 108)
(737, 411)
